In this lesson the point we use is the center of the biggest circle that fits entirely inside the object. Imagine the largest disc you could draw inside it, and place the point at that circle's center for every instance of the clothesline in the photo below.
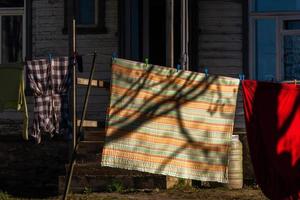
(125, 152)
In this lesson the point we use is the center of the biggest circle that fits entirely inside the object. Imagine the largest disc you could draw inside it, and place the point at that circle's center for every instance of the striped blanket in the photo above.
(169, 122)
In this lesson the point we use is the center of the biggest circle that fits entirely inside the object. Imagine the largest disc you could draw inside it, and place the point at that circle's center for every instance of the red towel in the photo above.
(272, 113)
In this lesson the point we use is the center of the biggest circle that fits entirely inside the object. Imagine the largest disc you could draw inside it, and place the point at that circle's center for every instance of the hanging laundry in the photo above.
(12, 92)
(39, 80)
(61, 82)
(272, 113)
(167, 122)
(50, 83)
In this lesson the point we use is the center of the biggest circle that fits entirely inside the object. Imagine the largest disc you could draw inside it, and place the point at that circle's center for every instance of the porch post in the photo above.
(184, 34)
(72, 48)
(146, 13)
(28, 14)
(170, 33)
(71, 13)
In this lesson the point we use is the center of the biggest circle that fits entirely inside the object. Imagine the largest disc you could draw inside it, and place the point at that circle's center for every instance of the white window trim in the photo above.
(279, 17)
(281, 34)
(15, 11)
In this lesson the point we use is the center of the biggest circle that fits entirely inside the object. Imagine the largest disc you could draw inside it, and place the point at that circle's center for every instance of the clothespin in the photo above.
(114, 56)
(242, 77)
(178, 67)
(74, 58)
(206, 72)
(50, 58)
(146, 61)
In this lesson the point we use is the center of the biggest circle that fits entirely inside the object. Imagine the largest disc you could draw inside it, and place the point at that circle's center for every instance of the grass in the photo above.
(115, 186)
(87, 190)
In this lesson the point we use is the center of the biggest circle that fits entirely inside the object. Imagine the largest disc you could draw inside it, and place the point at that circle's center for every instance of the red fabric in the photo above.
(272, 113)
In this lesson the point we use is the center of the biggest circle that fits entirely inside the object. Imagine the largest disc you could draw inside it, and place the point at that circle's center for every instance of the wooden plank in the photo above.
(94, 135)
(219, 19)
(226, 29)
(220, 37)
(95, 83)
(219, 5)
(88, 123)
(221, 55)
(220, 46)
(99, 183)
(222, 62)
(97, 170)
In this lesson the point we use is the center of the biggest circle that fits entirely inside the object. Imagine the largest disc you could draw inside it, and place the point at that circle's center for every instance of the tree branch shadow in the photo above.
(185, 88)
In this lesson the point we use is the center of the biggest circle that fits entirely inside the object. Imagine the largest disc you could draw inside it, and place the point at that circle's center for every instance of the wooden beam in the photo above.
(245, 38)
(88, 123)
(194, 35)
(170, 33)
(95, 83)
(146, 26)
(28, 29)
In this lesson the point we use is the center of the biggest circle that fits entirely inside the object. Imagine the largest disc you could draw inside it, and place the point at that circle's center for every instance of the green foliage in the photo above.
(87, 190)
(181, 183)
(4, 196)
(115, 186)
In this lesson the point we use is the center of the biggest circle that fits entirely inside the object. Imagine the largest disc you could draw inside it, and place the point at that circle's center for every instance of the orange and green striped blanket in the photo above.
(164, 121)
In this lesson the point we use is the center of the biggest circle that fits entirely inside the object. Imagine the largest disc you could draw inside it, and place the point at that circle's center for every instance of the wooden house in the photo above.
(258, 38)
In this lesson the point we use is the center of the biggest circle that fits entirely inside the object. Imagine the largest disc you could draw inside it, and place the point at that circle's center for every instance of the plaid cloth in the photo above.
(50, 83)
(61, 82)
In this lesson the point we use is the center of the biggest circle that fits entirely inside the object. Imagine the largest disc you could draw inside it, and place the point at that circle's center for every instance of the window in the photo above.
(265, 50)
(290, 49)
(11, 3)
(89, 15)
(275, 5)
(274, 40)
(12, 31)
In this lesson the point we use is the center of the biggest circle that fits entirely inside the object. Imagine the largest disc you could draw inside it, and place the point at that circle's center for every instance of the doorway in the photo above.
(143, 30)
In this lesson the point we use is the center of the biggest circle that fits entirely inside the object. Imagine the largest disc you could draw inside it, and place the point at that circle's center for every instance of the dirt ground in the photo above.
(249, 193)
(201, 194)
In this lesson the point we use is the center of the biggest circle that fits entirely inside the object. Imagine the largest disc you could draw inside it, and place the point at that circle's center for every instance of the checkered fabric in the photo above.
(50, 82)
(61, 82)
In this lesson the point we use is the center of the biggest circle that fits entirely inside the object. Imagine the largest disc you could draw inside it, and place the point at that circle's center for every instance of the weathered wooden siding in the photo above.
(220, 41)
(220, 45)
(47, 37)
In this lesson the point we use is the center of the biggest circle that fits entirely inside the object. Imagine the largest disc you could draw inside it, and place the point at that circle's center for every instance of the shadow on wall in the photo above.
(29, 170)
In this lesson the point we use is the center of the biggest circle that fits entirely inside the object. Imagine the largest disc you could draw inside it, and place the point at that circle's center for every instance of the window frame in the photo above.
(14, 11)
(99, 28)
(283, 33)
(279, 18)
